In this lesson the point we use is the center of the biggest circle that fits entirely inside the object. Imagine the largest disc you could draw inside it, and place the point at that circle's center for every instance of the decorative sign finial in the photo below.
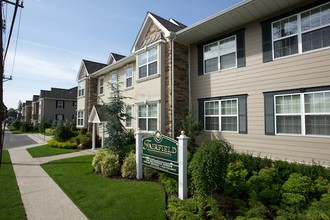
(182, 133)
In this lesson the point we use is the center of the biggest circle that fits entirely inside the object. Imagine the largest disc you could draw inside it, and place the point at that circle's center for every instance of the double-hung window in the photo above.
(224, 113)
(301, 113)
(60, 104)
(147, 62)
(129, 76)
(221, 115)
(220, 55)
(80, 118)
(114, 81)
(81, 88)
(59, 117)
(147, 117)
(298, 33)
(128, 120)
(101, 86)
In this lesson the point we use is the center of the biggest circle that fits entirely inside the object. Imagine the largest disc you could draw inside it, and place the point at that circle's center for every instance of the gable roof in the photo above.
(166, 26)
(35, 98)
(97, 115)
(92, 66)
(59, 93)
(114, 57)
(234, 17)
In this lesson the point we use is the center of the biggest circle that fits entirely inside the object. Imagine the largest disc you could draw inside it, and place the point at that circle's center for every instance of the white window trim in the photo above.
(83, 82)
(129, 66)
(220, 115)
(131, 119)
(113, 85)
(80, 118)
(59, 106)
(300, 32)
(100, 86)
(147, 117)
(218, 45)
(302, 115)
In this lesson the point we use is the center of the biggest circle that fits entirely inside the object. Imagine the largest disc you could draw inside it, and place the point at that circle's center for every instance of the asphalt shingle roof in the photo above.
(169, 25)
(92, 66)
(59, 93)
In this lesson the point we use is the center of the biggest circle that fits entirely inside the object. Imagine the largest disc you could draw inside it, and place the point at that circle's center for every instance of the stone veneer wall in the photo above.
(181, 85)
(92, 99)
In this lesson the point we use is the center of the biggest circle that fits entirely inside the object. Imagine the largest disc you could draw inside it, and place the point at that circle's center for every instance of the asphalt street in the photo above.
(16, 140)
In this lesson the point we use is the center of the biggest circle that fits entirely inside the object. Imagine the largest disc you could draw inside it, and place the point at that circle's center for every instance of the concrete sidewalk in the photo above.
(41, 196)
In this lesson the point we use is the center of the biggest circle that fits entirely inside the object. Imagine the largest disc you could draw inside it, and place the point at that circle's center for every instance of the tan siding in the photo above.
(300, 71)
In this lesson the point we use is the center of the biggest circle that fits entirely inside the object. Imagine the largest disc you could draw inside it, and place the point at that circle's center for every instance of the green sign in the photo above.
(160, 152)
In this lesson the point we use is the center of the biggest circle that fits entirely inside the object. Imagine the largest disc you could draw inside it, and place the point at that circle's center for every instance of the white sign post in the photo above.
(181, 146)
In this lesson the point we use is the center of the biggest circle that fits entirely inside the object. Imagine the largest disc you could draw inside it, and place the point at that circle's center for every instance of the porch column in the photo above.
(93, 136)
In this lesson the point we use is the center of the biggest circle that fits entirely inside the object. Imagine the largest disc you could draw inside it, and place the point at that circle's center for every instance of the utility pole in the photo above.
(2, 61)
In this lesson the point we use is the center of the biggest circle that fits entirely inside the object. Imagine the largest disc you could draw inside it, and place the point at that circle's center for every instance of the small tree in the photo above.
(19, 110)
(115, 114)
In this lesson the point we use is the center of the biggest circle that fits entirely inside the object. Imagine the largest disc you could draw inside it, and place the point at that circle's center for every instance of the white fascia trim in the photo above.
(149, 46)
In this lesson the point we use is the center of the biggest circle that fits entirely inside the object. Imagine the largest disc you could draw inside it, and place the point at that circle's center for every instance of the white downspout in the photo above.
(172, 37)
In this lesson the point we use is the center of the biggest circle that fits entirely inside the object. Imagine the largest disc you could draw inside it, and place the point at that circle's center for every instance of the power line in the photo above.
(14, 60)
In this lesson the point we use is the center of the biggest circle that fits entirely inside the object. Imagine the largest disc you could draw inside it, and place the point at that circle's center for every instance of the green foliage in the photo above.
(319, 209)
(236, 179)
(43, 125)
(169, 182)
(192, 127)
(84, 140)
(199, 207)
(49, 131)
(110, 165)
(96, 163)
(63, 132)
(62, 144)
(149, 173)
(209, 166)
(17, 125)
(26, 127)
(128, 169)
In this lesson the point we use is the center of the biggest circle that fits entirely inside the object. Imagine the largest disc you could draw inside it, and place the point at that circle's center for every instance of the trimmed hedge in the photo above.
(66, 144)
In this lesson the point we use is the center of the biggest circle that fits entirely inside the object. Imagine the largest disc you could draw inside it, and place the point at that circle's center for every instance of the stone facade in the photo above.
(92, 98)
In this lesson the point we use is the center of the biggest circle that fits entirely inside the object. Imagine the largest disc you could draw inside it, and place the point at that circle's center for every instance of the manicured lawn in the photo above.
(45, 150)
(104, 198)
(11, 206)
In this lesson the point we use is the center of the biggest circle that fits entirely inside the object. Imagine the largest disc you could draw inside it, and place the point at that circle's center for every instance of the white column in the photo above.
(138, 151)
(182, 159)
(93, 136)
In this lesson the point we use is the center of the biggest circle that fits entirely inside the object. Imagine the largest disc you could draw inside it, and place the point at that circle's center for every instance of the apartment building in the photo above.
(257, 74)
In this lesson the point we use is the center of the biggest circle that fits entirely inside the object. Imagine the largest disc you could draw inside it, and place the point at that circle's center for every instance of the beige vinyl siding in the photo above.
(307, 70)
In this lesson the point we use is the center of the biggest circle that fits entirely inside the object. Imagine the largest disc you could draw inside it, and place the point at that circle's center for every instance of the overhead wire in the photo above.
(15, 50)
(11, 29)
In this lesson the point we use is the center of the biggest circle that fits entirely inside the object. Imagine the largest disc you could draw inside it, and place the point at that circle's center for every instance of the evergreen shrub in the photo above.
(128, 169)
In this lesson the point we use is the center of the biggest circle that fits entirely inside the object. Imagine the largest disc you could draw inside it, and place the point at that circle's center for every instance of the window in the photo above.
(114, 81)
(80, 118)
(147, 117)
(147, 62)
(59, 117)
(224, 113)
(129, 76)
(221, 115)
(60, 104)
(81, 88)
(129, 116)
(101, 86)
(220, 55)
(298, 33)
(302, 113)
(74, 103)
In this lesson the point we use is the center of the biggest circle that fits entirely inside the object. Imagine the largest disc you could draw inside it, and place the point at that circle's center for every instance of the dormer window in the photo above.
(147, 62)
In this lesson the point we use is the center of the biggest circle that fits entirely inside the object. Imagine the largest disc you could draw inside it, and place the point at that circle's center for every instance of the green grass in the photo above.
(105, 198)
(45, 151)
(11, 206)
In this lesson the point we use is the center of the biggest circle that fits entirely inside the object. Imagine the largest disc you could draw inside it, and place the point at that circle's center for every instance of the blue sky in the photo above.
(55, 35)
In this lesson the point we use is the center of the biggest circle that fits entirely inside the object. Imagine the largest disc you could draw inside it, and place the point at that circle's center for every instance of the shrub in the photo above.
(319, 209)
(236, 179)
(49, 131)
(110, 165)
(199, 207)
(65, 144)
(63, 132)
(209, 166)
(128, 170)
(169, 182)
(44, 125)
(17, 125)
(149, 173)
(26, 127)
(96, 163)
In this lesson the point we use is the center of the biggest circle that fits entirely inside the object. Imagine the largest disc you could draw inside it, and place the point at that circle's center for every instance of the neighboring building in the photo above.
(57, 104)
(35, 109)
(260, 77)
(87, 88)
(27, 111)
(257, 75)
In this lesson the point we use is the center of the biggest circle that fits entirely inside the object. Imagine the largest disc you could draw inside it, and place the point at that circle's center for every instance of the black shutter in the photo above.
(269, 114)
(201, 111)
(242, 114)
(200, 59)
(240, 41)
(267, 41)
(63, 104)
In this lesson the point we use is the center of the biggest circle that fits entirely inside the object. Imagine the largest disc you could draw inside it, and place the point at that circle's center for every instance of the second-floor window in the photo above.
(60, 104)
(80, 118)
(220, 55)
(147, 62)
(114, 81)
(129, 76)
(101, 86)
(81, 88)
